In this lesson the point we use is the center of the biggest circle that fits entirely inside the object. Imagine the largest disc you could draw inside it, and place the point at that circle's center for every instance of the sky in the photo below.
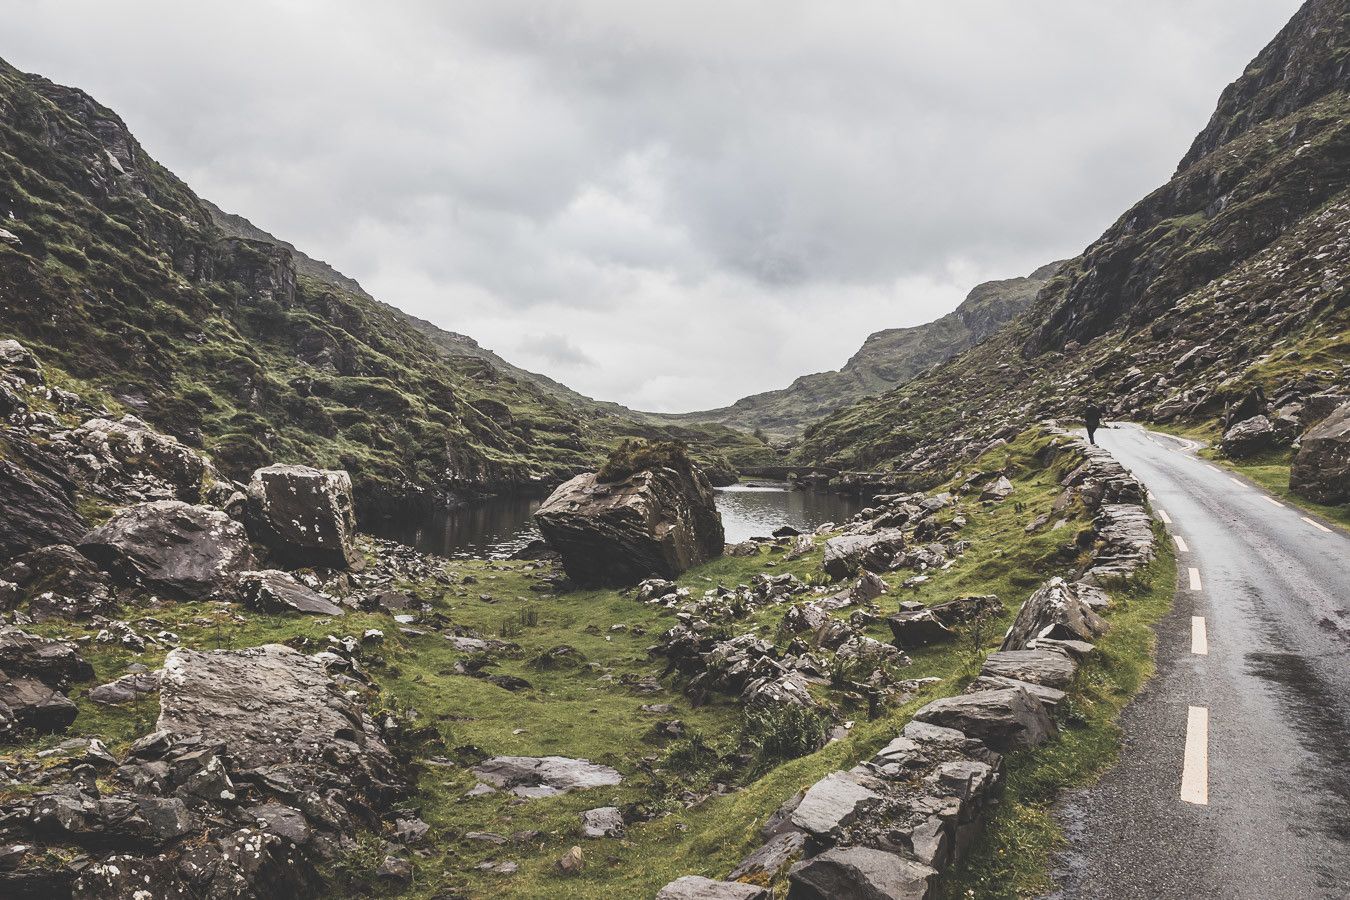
(670, 205)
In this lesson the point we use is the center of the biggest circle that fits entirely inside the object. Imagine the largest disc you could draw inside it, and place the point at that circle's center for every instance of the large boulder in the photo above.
(544, 776)
(848, 554)
(167, 545)
(1059, 610)
(1045, 667)
(56, 582)
(305, 516)
(653, 523)
(38, 500)
(1007, 719)
(33, 670)
(281, 719)
(1321, 469)
(859, 873)
(1248, 437)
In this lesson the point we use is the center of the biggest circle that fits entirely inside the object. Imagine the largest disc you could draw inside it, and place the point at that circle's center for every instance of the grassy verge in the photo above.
(1271, 471)
(1012, 858)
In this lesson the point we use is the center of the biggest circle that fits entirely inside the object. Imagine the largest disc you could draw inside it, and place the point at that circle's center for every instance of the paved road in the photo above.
(1234, 780)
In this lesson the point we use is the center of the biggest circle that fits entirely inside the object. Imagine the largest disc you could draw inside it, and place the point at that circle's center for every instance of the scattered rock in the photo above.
(847, 554)
(126, 689)
(999, 489)
(1046, 667)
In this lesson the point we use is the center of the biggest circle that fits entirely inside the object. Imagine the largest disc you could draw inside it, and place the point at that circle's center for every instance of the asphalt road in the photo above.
(1259, 806)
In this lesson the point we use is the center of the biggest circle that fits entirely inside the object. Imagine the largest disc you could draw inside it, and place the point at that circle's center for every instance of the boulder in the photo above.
(654, 523)
(56, 663)
(39, 500)
(305, 516)
(1058, 610)
(833, 803)
(1321, 468)
(28, 704)
(126, 689)
(1248, 437)
(544, 776)
(1008, 719)
(999, 489)
(16, 358)
(57, 582)
(918, 628)
(171, 546)
(696, 887)
(766, 863)
(859, 873)
(847, 554)
(274, 591)
(603, 821)
(1048, 667)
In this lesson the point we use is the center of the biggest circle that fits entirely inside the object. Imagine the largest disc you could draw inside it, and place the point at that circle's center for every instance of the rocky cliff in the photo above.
(1235, 274)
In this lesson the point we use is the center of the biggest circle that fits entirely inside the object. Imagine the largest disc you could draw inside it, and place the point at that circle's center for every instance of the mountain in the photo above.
(1233, 275)
(886, 359)
(112, 269)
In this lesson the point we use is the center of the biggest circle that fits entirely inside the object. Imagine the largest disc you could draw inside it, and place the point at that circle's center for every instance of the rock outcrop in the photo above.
(305, 516)
(1321, 468)
(167, 545)
(654, 523)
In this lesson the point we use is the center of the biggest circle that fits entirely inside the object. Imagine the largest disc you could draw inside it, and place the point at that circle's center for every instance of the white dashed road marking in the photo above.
(1150, 495)
(1195, 578)
(1195, 767)
(1318, 525)
(1271, 500)
(1181, 543)
(1199, 641)
(1162, 514)
(1235, 481)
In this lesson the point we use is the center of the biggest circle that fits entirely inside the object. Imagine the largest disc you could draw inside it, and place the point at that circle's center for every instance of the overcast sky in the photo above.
(666, 204)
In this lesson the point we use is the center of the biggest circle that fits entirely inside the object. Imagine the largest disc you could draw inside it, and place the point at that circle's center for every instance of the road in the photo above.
(1234, 778)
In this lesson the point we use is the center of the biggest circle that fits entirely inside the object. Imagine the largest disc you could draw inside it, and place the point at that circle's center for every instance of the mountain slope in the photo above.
(116, 272)
(1232, 274)
(886, 359)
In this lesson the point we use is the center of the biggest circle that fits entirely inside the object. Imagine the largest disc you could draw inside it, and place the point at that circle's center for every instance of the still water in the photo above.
(501, 525)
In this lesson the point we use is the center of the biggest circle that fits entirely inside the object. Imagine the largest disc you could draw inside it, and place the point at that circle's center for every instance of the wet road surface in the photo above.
(1234, 778)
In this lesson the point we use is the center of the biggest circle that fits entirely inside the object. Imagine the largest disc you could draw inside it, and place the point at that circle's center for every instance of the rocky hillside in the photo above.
(1233, 275)
(232, 340)
(886, 359)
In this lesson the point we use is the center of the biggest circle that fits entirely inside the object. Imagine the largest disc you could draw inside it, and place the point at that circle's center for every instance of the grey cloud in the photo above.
(710, 198)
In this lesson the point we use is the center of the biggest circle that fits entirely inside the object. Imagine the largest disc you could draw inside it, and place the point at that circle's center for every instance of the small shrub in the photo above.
(778, 734)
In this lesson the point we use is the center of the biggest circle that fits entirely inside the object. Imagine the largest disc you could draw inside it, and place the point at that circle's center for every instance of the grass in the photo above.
(1271, 471)
(588, 707)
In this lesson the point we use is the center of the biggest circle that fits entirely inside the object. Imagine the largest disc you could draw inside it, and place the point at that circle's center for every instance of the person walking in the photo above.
(1092, 418)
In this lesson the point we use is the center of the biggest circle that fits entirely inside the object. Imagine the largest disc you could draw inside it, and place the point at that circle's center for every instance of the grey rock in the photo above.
(696, 887)
(126, 689)
(272, 590)
(1057, 610)
(603, 821)
(769, 861)
(1050, 697)
(834, 802)
(859, 873)
(55, 663)
(28, 704)
(847, 554)
(1321, 468)
(305, 516)
(167, 545)
(1009, 719)
(652, 524)
(1047, 667)
(1248, 437)
(918, 628)
(544, 776)
(129, 448)
(999, 489)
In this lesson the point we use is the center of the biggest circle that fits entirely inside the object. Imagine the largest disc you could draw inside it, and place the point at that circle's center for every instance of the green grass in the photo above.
(586, 710)
(1271, 471)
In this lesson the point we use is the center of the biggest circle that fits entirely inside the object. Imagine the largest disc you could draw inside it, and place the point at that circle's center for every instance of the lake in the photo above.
(499, 526)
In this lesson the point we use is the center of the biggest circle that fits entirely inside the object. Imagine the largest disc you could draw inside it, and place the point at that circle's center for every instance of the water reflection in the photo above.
(499, 526)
